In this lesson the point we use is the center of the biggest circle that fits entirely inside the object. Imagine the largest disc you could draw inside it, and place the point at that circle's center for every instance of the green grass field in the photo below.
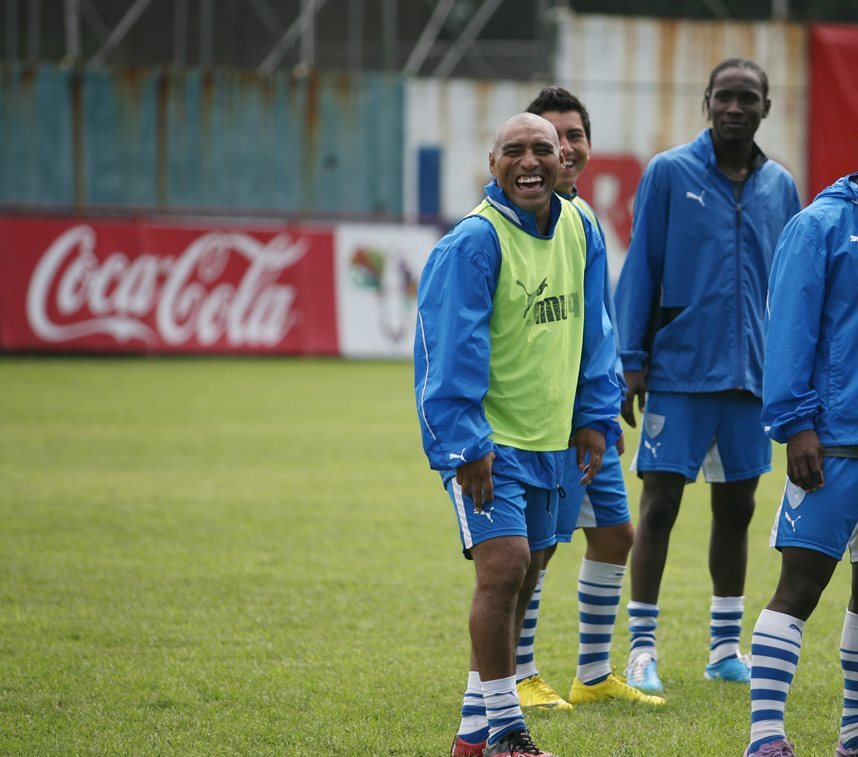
(251, 557)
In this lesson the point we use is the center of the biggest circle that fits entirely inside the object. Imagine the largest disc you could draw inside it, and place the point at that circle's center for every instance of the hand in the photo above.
(621, 444)
(635, 387)
(592, 441)
(804, 460)
(475, 478)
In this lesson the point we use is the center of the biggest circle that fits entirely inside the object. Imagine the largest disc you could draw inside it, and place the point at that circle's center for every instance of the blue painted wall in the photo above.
(36, 136)
(217, 140)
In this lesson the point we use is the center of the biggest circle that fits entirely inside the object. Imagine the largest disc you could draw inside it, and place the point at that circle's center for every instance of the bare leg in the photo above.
(662, 494)
(804, 575)
(501, 566)
(537, 560)
(732, 510)
(610, 544)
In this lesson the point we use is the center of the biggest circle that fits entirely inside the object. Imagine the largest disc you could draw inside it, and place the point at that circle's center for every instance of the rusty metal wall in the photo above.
(341, 145)
(219, 140)
(643, 79)
(36, 136)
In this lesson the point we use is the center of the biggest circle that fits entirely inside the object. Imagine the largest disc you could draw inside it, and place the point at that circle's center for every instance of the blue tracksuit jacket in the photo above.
(609, 297)
(810, 378)
(691, 295)
(451, 350)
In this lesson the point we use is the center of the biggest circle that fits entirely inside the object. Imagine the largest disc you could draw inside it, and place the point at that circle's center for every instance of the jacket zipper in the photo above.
(739, 294)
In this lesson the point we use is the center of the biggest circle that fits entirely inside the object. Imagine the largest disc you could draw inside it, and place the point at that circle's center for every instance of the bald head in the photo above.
(528, 122)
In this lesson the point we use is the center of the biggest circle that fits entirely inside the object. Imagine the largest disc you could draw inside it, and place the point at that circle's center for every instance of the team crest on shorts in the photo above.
(653, 424)
(794, 494)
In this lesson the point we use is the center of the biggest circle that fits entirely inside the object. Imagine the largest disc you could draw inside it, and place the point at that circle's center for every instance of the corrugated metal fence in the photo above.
(220, 140)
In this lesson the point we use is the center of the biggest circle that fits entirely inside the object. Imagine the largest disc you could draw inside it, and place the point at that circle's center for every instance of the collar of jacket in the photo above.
(846, 188)
(522, 218)
(706, 149)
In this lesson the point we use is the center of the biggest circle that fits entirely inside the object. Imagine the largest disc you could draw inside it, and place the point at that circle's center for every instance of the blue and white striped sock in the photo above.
(525, 664)
(643, 620)
(474, 726)
(725, 627)
(599, 588)
(502, 708)
(849, 663)
(775, 649)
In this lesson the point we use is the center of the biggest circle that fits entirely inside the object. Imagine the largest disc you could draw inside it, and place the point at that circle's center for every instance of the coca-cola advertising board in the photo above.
(147, 286)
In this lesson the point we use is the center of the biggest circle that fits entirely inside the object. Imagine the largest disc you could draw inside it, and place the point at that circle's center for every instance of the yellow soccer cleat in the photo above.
(534, 692)
(613, 687)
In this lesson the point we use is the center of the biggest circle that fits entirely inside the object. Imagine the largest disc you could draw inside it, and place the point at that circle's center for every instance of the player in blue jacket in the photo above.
(810, 402)
(513, 351)
(602, 507)
(690, 308)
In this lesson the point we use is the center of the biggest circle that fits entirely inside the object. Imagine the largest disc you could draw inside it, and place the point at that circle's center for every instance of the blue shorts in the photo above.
(719, 431)
(516, 510)
(825, 520)
(602, 503)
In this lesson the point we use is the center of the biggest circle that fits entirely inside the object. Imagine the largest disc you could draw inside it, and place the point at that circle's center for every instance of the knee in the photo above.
(504, 573)
(610, 544)
(659, 514)
(798, 599)
(625, 538)
(733, 503)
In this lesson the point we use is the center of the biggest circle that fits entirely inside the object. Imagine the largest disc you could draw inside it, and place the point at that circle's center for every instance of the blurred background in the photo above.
(258, 176)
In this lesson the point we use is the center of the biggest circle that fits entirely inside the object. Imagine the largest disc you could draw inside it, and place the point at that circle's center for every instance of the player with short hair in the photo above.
(604, 514)
(690, 307)
(810, 402)
(511, 350)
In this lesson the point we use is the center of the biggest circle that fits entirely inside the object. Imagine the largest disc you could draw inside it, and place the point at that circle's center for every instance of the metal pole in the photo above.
(390, 30)
(355, 35)
(428, 36)
(180, 34)
(119, 32)
(296, 28)
(268, 17)
(11, 30)
(466, 38)
(308, 34)
(34, 25)
(206, 32)
(72, 19)
(96, 23)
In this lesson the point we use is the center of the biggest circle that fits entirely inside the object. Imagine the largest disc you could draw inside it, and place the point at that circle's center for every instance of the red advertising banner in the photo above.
(147, 286)
(833, 108)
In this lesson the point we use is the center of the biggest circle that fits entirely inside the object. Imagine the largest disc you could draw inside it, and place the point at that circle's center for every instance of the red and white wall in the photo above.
(150, 286)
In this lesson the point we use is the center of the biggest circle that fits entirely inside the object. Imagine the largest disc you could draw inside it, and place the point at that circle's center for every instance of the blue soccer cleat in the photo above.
(642, 674)
(733, 669)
